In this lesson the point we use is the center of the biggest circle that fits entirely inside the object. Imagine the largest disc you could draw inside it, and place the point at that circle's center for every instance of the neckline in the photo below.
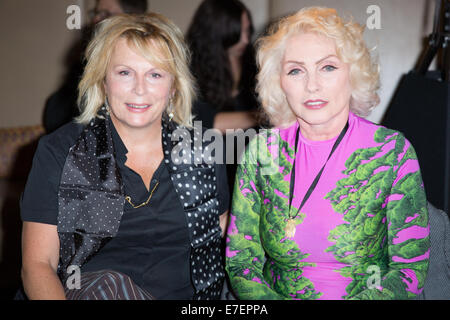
(310, 142)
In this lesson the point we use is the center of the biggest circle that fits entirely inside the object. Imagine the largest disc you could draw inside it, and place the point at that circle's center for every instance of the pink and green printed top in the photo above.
(363, 233)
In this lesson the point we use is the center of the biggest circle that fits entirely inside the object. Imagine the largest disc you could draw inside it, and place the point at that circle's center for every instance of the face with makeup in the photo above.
(316, 84)
(138, 92)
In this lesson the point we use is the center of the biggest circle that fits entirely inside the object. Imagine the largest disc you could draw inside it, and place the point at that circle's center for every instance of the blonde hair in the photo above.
(350, 47)
(158, 40)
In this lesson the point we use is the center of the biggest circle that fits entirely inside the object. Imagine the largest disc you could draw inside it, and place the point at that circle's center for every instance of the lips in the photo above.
(315, 104)
(137, 106)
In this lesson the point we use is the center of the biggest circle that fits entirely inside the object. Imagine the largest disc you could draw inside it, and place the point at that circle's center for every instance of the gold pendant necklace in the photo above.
(290, 228)
(128, 198)
(291, 225)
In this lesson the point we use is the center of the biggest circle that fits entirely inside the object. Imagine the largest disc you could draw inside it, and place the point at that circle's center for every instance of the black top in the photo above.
(152, 245)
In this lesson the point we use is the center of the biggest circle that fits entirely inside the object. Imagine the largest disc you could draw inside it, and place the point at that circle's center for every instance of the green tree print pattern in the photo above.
(364, 240)
(263, 264)
(264, 224)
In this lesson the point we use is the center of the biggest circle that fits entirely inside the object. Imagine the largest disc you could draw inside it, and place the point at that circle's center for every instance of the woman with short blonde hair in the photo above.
(145, 33)
(108, 211)
(326, 205)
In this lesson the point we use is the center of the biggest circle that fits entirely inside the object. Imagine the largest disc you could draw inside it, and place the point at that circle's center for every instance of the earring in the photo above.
(106, 104)
(171, 110)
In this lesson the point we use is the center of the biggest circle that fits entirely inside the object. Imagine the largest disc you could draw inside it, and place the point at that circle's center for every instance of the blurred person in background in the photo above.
(223, 64)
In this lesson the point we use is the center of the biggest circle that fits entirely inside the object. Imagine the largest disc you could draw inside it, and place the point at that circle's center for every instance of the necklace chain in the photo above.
(290, 224)
(128, 198)
(316, 179)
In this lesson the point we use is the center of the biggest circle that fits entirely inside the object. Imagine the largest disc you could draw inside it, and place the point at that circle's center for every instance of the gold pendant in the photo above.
(290, 228)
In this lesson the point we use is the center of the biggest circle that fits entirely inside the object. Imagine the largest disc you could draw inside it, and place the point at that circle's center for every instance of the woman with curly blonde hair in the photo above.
(326, 205)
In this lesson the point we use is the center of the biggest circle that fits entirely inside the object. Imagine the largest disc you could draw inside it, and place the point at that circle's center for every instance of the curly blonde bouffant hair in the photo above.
(350, 48)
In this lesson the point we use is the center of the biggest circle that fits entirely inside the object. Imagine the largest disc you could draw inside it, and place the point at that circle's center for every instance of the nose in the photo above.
(139, 86)
(312, 83)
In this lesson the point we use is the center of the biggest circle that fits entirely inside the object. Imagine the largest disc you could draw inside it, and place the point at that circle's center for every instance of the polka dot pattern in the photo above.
(90, 196)
(91, 202)
(195, 183)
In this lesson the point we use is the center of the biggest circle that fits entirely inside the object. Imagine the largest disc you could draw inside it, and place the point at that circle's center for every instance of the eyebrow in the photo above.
(319, 61)
(120, 65)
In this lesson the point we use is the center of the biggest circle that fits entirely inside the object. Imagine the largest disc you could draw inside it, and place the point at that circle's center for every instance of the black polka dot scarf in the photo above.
(91, 200)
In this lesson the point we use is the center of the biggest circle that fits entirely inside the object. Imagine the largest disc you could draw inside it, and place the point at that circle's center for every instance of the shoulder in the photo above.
(390, 145)
(58, 143)
(270, 141)
(65, 134)
(369, 131)
(39, 201)
(265, 154)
